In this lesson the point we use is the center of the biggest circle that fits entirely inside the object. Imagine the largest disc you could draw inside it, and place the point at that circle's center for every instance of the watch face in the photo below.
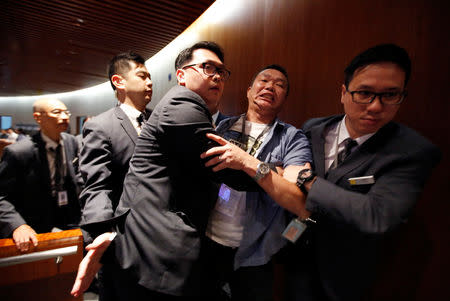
(305, 173)
(264, 169)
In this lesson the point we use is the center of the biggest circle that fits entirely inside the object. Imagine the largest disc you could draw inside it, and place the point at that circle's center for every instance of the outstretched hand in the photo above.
(227, 155)
(90, 264)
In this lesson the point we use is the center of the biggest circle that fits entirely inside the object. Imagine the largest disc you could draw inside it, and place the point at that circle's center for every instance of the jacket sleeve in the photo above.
(386, 204)
(10, 219)
(96, 168)
(186, 133)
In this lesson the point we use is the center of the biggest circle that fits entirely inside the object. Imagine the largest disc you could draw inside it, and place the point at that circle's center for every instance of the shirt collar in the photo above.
(214, 117)
(49, 143)
(130, 111)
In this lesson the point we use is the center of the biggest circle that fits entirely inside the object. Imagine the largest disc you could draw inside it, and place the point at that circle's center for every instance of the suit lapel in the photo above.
(317, 138)
(70, 153)
(362, 154)
(126, 124)
(354, 160)
(317, 145)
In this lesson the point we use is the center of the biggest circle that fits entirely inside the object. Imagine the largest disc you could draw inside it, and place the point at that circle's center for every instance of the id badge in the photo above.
(62, 198)
(228, 201)
(362, 180)
(294, 230)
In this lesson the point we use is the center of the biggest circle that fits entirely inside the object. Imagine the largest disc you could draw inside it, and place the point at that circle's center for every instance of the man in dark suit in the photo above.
(370, 172)
(108, 144)
(168, 192)
(109, 138)
(38, 189)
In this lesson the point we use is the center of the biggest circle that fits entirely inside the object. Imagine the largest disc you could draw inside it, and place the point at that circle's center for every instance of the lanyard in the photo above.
(258, 141)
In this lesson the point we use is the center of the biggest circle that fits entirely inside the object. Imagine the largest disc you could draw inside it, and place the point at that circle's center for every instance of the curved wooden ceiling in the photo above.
(59, 46)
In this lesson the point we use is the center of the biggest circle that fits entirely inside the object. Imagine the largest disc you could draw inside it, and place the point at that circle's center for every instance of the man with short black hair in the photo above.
(38, 188)
(108, 143)
(168, 192)
(370, 173)
(245, 227)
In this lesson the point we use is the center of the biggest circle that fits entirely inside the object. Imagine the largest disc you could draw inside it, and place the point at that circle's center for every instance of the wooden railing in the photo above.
(45, 272)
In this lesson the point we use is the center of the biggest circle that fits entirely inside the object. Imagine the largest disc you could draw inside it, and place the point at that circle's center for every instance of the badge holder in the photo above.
(294, 230)
(62, 198)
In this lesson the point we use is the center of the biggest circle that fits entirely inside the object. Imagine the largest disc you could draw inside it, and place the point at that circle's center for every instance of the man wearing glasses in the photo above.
(38, 188)
(168, 192)
(368, 174)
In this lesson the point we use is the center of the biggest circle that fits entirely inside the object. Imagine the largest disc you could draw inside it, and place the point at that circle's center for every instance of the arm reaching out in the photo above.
(90, 264)
(282, 189)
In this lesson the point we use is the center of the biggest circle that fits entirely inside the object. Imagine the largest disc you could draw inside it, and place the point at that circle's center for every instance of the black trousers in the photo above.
(118, 285)
(246, 283)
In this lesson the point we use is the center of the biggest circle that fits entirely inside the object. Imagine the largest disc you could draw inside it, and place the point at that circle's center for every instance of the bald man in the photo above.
(38, 190)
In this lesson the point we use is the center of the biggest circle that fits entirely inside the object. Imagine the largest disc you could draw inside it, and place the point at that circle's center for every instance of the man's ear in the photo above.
(180, 77)
(343, 91)
(118, 81)
(248, 92)
(37, 117)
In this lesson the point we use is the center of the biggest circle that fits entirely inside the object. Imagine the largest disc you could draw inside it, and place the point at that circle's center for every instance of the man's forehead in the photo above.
(272, 74)
(372, 73)
(50, 104)
(56, 105)
(202, 55)
(138, 67)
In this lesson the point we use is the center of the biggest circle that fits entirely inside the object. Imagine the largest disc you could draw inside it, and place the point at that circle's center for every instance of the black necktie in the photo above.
(140, 119)
(349, 144)
(58, 168)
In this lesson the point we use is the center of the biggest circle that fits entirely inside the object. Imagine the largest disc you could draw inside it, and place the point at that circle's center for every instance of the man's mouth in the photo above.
(266, 97)
(370, 120)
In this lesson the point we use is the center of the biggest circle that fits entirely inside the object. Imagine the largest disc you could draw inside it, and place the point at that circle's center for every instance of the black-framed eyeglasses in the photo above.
(211, 70)
(58, 113)
(387, 98)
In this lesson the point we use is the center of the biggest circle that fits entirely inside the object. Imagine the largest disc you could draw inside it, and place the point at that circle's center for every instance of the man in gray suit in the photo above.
(108, 144)
(168, 192)
(38, 189)
(370, 172)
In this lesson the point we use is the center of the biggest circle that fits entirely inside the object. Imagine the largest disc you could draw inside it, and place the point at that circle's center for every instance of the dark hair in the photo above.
(275, 67)
(120, 64)
(186, 54)
(380, 53)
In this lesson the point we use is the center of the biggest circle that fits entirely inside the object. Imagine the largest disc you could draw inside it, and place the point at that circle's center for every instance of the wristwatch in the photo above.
(305, 176)
(261, 171)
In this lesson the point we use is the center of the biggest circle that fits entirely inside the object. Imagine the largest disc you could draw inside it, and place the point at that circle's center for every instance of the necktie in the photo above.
(141, 119)
(58, 168)
(349, 144)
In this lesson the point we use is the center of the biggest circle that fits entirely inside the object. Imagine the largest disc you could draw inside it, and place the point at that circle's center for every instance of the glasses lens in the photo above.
(59, 113)
(225, 74)
(209, 69)
(392, 98)
(362, 96)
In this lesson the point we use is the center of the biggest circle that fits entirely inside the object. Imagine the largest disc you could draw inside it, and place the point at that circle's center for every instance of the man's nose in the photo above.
(269, 86)
(376, 105)
(64, 115)
(149, 82)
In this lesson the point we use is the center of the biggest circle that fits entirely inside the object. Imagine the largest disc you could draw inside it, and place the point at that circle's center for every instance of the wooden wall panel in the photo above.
(314, 40)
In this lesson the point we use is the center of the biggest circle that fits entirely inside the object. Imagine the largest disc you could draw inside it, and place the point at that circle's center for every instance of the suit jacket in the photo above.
(25, 187)
(167, 197)
(351, 219)
(108, 144)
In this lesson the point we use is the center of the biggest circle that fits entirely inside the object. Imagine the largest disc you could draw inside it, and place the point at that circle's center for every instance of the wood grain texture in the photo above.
(44, 279)
(315, 40)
